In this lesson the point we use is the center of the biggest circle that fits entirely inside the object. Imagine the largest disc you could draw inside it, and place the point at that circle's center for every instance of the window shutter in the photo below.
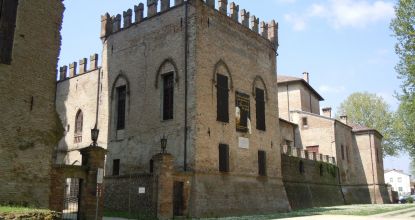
(260, 109)
(168, 96)
(116, 167)
(262, 163)
(223, 158)
(7, 25)
(222, 98)
(121, 101)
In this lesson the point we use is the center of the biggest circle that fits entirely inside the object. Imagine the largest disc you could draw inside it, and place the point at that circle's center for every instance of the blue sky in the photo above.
(345, 45)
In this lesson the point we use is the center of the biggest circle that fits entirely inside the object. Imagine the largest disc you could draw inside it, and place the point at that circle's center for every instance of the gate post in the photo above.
(91, 192)
(163, 185)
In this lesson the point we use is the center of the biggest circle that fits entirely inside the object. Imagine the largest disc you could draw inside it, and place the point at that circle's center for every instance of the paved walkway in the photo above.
(404, 214)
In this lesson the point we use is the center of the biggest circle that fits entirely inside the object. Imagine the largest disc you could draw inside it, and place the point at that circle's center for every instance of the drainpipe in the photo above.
(186, 40)
(373, 171)
(288, 104)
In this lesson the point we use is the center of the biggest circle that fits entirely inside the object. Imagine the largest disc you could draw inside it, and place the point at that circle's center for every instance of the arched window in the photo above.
(79, 120)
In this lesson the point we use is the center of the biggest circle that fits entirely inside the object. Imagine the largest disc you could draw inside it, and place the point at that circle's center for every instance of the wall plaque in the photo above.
(243, 142)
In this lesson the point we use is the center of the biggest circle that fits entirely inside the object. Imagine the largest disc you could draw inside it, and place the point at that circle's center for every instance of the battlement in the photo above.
(304, 154)
(73, 71)
(112, 24)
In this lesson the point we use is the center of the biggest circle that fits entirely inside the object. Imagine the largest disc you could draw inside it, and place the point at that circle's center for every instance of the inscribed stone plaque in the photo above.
(141, 190)
(100, 175)
(243, 142)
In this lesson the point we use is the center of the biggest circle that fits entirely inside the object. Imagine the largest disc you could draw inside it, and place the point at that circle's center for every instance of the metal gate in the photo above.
(71, 199)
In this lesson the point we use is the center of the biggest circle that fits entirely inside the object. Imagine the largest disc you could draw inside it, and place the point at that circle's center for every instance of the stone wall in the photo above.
(122, 193)
(77, 91)
(30, 128)
(317, 185)
(247, 57)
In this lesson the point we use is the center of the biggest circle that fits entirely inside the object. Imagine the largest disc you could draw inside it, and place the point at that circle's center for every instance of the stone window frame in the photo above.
(120, 80)
(222, 68)
(259, 83)
(79, 121)
(167, 66)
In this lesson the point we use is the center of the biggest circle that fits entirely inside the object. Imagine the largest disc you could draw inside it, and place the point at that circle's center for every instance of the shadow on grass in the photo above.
(127, 215)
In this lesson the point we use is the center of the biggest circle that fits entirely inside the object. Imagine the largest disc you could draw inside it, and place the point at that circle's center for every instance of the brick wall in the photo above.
(317, 186)
(30, 128)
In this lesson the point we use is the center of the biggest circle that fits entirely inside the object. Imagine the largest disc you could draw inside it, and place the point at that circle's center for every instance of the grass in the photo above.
(356, 210)
(16, 209)
(138, 216)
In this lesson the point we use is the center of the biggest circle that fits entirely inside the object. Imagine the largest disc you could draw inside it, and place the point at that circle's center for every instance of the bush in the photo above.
(410, 199)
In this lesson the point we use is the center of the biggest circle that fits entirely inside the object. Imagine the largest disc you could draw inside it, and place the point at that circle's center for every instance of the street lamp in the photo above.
(163, 142)
(94, 135)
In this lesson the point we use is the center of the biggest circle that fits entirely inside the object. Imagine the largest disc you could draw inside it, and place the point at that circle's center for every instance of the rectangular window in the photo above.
(260, 109)
(313, 149)
(305, 122)
(400, 189)
(262, 163)
(243, 112)
(168, 96)
(116, 167)
(391, 180)
(223, 158)
(399, 179)
(222, 98)
(121, 101)
(8, 11)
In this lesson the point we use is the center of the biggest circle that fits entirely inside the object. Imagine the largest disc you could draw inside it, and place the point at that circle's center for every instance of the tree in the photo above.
(370, 110)
(403, 27)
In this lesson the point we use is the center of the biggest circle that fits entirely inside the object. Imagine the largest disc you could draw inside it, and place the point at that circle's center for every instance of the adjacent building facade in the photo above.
(30, 128)
(357, 149)
(399, 181)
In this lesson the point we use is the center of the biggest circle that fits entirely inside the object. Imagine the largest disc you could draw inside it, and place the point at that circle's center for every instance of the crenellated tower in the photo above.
(202, 74)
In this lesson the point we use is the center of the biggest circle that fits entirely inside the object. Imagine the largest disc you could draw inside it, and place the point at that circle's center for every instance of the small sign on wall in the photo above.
(100, 175)
(243, 143)
(141, 190)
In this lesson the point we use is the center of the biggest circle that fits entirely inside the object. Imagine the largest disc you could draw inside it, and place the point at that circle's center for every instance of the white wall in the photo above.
(399, 181)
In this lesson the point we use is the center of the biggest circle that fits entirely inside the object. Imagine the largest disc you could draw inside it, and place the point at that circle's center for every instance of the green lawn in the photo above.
(357, 210)
(14, 209)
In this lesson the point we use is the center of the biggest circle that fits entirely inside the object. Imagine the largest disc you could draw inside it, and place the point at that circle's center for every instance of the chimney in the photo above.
(306, 77)
(343, 119)
(327, 112)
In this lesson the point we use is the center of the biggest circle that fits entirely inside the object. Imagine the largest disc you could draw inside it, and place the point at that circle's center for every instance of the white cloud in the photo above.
(331, 89)
(298, 23)
(286, 1)
(346, 13)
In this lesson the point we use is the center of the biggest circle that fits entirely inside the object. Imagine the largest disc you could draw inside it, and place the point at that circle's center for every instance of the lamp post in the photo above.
(94, 136)
(163, 142)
